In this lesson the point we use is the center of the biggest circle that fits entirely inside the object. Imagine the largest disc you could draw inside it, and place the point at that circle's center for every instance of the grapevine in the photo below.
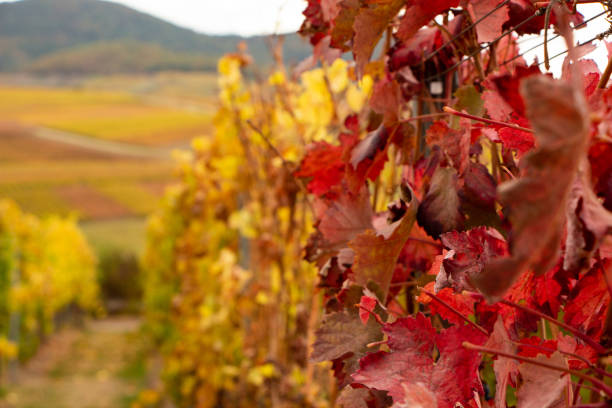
(224, 268)
(429, 227)
(46, 266)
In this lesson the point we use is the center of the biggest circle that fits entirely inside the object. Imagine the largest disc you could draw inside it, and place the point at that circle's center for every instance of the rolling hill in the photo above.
(92, 36)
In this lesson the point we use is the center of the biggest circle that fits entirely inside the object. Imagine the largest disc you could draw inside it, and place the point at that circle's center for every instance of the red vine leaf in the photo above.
(599, 159)
(419, 13)
(548, 292)
(315, 24)
(505, 368)
(362, 398)
(516, 139)
(418, 395)
(588, 301)
(344, 216)
(323, 165)
(491, 27)
(330, 9)
(519, 12)
(353, 398)
(542, 387)
(455, 375)
(386, 100)
(414, 333)
(462, 304)
(478, 196)
(408, 372)
(508, 87)
(409, 53)
(587, 223)
(439, 211)
(367, 158)
(454, 143)
(468, 253)
(532, 346)
(536, 201)
(418, 253)
(496, 106)
(366, 308)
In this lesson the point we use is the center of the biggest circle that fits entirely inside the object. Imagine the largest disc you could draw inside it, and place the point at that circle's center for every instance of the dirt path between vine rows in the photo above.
(103, 365)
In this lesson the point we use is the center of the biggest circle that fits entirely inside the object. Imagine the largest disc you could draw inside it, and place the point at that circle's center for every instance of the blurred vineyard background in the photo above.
(104, 154)
(94, 97)
(97, 102)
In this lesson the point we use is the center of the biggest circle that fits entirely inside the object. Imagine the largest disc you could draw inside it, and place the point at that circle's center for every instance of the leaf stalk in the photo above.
(452, 111)
(602, 386)
(455, 311)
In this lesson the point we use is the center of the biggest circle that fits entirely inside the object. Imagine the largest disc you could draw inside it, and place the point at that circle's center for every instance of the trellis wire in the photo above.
(552, 38)
(538, 13)
(465, 30)
(599, 36)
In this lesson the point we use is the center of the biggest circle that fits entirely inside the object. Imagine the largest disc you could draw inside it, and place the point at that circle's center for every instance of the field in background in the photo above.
(186, 90)
(101, 114)
(111, 190)
(127, 234)
(92, 187)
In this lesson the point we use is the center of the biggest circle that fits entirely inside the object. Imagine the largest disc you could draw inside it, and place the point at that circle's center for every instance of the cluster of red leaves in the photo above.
(497, 242)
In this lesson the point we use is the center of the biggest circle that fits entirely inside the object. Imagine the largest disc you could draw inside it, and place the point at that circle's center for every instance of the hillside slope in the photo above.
(32, 31)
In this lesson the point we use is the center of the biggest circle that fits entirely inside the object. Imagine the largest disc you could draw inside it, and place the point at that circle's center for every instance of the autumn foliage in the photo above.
(47, 269)
(429, 226)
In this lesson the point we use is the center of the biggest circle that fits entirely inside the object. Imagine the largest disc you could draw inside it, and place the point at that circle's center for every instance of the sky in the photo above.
(244, 17)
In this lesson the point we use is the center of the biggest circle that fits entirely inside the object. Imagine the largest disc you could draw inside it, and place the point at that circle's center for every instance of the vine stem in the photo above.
(427, 116)
(455, 311)
(602, 386)
(495, 160)
(405, 283)
(268, 143)
(546, 24)
(285, 163)
(376, 343)
(580, 384)
(313, 320)
(425, 241)
(508, 172)
(452, 111)
(589, 341)
(567, 353)
(419, 115)
(605, 77)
